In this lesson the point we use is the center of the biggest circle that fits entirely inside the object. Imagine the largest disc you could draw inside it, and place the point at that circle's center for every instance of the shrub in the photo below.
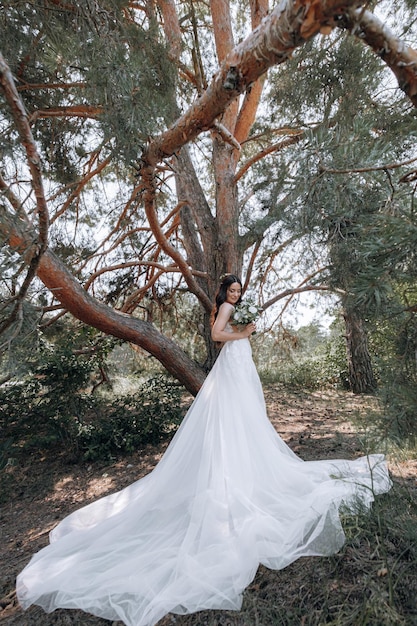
(49, 408)
(131, 421)
(310, 373)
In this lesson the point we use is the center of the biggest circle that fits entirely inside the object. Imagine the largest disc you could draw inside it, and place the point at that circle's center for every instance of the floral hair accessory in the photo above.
(223, 276)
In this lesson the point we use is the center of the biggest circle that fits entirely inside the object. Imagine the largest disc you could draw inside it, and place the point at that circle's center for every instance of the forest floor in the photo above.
(370, 582)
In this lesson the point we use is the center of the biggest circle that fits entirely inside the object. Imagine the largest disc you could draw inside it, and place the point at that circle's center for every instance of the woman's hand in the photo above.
(218, 332)
(250, 328)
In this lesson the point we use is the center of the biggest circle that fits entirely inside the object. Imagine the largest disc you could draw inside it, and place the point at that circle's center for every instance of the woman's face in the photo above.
(234, 291)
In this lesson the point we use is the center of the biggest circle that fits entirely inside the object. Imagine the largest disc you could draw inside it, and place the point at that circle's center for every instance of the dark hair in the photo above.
(221, 295)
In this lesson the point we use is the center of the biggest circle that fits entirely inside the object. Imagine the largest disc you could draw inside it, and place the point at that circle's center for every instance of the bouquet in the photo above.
(245, 313)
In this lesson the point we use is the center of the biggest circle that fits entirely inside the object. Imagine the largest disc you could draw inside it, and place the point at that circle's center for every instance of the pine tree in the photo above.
(165, 154)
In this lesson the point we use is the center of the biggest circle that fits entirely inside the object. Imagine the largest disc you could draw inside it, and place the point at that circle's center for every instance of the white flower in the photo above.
(246, 312)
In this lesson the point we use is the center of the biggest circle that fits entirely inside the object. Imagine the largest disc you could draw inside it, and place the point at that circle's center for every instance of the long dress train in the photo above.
(227, 495)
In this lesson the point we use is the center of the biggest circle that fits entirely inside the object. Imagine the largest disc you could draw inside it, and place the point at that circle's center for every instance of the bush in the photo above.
(397, 420)
(317, 372)
(39, 410)
(49, 408)
(306, 359)
(131, 421)
(304, 374)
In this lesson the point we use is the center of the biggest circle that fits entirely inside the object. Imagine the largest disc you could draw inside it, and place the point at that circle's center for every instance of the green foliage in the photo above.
(394, 343)
(397, 420)
(129, 422)
(302, 374)
(305, 359)
(330, 73)
(110, 62)
(50, 406)
(37, 410)
(19, 343)
(6, 451)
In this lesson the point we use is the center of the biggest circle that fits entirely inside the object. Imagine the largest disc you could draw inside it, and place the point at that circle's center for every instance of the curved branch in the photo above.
(289, 141)
(33, 159)
(302, 288)
(80, 185)
(122, 266)
(287, 27)
(294, 291)
(399, 57)
(376, 168)
(149, 203)
(77, 110)
(55, 276)
(38, 244)
(25, 86)
(251, 264)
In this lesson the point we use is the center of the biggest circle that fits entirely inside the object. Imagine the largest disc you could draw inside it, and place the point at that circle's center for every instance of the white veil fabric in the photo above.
(227, 495)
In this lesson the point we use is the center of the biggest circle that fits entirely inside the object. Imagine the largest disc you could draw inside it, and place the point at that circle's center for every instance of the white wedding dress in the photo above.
(227, 495)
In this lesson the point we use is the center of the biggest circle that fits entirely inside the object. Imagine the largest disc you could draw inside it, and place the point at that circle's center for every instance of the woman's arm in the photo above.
(218, 332)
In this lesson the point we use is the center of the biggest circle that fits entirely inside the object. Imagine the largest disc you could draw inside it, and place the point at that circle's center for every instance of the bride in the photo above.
(227, 495)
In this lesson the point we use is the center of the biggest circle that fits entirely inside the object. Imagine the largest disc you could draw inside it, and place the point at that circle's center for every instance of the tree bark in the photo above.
(361, 376)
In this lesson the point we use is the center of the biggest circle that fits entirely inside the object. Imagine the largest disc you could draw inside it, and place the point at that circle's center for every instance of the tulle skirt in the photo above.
(227, 495)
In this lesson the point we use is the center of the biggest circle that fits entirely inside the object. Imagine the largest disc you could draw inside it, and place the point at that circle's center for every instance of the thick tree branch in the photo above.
(249, 108)
(222, 28)
(165, 269)
(172, 28)
(287, 27)
(399, 57)
(223, 37)
(55, 276)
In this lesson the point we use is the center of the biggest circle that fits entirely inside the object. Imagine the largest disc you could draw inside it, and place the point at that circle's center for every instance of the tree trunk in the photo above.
(361, 376)
(227, 206)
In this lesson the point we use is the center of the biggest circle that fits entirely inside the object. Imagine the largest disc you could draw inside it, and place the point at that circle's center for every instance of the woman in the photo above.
(229, 294)
(227, 495)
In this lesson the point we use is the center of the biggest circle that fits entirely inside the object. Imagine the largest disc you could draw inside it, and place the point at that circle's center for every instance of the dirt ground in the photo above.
(46, 488)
